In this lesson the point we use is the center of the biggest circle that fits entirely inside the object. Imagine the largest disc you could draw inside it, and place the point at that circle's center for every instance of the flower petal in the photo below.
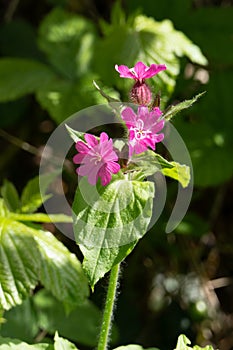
(113, 167)
(105, 175)
(153, 70)
(82, 147)
(129, 117)
(139, 70)
(91, 140)
(103, 137)
(124, 72)
(78, 158)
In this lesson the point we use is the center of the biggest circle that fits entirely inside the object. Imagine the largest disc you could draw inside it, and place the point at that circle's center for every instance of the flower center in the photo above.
(96, 158)
(140, 133)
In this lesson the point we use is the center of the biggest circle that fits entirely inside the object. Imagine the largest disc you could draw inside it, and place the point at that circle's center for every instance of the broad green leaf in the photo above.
(63, 97)
(61, 272)
(174, 109)
(10, 196)
(98, 261)
(133, 347)
(81, 325)
(63, 344)
(19, 262)
(41, 217)
(21, 321)
(19, 77)
(68, 40)
(29, 255)
(109, 220)
(149, 162)
(33, 194)
(15, 344)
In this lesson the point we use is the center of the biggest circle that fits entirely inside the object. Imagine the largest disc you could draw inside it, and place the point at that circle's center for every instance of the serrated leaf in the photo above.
(149, 162)
(15, 344)
(68, 41)
(10, 196)
(19, 77)
(109, 220)
(61, 272)
(29, 255)
(33, 194)
(63, 344)
(19, 262)
(98, 261)
(174, 109)
(80, 325)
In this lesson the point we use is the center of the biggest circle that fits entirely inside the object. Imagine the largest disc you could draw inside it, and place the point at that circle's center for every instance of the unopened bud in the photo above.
(141, 94)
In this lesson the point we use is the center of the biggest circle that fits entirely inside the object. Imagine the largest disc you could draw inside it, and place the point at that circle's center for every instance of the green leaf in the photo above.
(149, 162)
(133, 347)
(102, 93)
(179, 172)
(80, 325)
(109, 220)
(41, 217)
(19, 262)
(63, 97)
(174, 109)
(33, 194)
(10, 196)
(15, 344)
(19, 77)
(61, 272)
(183, 342)
(98, 261)
(68, 41)
(75, 135)
(62, 344)
(21, 321)
(29, 255)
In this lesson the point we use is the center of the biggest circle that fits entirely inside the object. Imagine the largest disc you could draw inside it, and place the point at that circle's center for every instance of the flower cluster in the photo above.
(97, 157)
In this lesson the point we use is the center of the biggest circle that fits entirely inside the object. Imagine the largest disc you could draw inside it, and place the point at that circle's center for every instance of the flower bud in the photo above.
(140, 93)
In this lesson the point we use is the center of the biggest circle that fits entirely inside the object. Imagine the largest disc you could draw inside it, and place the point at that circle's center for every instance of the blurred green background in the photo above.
(51, 50)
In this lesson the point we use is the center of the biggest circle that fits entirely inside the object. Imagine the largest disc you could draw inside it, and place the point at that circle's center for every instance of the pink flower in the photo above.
(140, 71)
(143, 128)
(97, 159)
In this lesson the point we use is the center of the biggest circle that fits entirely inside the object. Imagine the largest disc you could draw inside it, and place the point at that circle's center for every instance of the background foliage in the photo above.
(50, 53)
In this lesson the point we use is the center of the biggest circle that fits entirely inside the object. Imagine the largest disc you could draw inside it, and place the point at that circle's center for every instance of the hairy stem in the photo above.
(108, 311)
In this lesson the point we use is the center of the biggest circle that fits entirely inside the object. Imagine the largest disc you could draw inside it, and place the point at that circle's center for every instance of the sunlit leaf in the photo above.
(109, 220)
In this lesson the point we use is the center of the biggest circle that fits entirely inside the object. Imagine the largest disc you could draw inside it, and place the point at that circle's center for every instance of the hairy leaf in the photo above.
(109, 220)
(174, 109)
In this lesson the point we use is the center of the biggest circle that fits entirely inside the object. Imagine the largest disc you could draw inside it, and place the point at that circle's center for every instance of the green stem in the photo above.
(108, 311)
